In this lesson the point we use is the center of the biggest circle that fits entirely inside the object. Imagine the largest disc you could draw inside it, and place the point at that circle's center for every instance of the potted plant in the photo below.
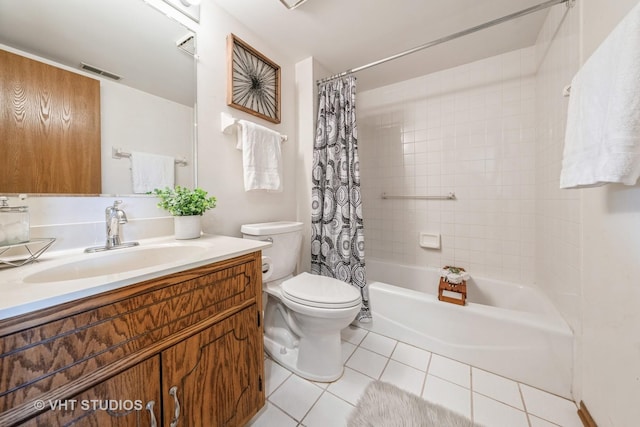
(187, 207)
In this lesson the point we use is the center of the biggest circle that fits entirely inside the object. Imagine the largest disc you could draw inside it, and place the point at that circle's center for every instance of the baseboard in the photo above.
(585, 416)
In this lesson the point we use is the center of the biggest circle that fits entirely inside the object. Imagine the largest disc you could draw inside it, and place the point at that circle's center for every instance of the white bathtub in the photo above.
(511, 330)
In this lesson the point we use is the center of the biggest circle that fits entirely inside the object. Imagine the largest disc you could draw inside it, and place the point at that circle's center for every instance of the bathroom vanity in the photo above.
(178, 347)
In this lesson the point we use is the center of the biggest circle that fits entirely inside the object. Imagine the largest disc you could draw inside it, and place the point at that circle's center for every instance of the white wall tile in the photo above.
(469, 138)
(557, 212)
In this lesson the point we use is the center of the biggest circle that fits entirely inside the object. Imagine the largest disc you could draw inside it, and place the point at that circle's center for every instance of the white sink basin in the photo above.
(115, 262)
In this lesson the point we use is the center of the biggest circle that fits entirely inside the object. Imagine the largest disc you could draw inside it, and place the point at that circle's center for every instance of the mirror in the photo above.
(151, 108)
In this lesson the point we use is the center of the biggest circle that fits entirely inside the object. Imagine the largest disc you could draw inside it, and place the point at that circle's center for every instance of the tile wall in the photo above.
(558, 212)
(468, 130)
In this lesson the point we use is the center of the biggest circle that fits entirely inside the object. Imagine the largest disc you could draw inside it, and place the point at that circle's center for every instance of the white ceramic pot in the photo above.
(187, 227)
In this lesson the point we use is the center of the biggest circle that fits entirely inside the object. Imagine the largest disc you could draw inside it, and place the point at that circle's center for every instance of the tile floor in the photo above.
(490, 400)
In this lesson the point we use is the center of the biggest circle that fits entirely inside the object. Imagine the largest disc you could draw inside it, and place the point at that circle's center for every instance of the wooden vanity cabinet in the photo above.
(182, 350)
(212, 377)
(127, 399)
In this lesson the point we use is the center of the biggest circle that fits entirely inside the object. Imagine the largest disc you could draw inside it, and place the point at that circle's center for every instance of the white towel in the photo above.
(602, 141)
(150, 171)
(261, 157)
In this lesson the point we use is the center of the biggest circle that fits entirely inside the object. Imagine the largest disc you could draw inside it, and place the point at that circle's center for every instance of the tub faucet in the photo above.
(114, 218)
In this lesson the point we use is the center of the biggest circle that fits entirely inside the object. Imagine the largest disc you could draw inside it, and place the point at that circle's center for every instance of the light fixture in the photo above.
(190, 2)
(290, 4)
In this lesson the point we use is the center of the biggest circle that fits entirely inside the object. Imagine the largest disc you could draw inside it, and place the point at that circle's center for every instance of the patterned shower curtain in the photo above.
(337, 240)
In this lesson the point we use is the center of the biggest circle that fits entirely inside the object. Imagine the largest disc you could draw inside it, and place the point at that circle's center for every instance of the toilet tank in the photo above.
(286, 237)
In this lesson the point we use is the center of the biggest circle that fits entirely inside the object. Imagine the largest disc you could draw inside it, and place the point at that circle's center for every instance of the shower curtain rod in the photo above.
(450, 37)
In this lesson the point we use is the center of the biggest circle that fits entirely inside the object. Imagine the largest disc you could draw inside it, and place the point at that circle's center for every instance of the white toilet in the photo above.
(303, 315)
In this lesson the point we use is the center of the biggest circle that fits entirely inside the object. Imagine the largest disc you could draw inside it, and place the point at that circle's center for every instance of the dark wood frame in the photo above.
(232, 42)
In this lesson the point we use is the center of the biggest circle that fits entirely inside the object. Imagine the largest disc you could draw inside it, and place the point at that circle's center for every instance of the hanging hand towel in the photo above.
(261, 157)
(602, 141)
(150, 171)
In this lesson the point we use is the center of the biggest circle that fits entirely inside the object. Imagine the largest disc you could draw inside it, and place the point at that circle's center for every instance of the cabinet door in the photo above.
(49, 128)
(214, 378)
(121, 401)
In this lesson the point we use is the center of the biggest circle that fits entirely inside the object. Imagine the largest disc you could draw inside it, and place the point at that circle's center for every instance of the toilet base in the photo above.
(328, 368)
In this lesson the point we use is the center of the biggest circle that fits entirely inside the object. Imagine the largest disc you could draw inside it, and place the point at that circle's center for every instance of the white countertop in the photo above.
(19, 294)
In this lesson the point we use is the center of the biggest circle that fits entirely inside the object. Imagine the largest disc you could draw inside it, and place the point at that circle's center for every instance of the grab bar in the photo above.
(450, 196)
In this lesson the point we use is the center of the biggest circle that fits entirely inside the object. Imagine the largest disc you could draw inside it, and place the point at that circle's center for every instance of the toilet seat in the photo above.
(320, 292)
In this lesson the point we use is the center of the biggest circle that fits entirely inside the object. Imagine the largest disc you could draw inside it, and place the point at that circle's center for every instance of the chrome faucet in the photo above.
(114, 218)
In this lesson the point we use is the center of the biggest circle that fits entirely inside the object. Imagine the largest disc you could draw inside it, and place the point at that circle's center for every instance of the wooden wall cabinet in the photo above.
(49, 129)
(182, 350)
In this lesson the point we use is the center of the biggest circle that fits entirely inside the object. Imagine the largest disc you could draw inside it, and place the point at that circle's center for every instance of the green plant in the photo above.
(181, 201)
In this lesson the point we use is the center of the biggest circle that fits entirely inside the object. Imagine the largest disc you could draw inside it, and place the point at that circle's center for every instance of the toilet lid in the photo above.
(320, 291)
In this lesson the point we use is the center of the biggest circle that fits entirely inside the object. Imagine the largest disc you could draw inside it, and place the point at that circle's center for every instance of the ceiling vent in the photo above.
(97, 70)
(187, 44)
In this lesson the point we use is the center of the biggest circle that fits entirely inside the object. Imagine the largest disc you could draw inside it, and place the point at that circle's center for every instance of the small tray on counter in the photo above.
(20, 254)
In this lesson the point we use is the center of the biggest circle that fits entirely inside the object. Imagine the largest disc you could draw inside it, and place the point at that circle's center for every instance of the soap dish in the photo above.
(20, 254)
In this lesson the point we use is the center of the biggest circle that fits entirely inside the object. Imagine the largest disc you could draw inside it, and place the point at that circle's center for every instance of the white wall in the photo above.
(219, 162)
(307, 72)
(305, 98)
(610, 342)
(589, 239)
(468, 130)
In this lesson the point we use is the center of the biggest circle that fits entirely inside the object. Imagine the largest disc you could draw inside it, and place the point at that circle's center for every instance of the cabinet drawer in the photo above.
(126, 400)
(95, 332)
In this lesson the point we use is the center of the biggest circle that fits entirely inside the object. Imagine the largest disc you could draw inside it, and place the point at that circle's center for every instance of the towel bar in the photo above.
(117, 153)
(227, 121)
